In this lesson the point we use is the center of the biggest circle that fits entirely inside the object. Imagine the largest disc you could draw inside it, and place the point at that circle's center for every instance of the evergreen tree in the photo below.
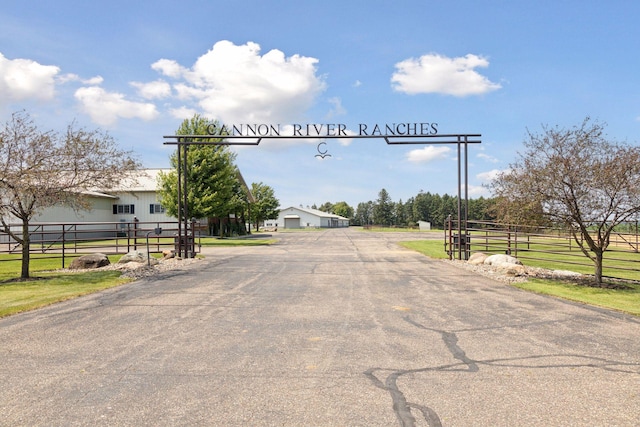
(383, 209)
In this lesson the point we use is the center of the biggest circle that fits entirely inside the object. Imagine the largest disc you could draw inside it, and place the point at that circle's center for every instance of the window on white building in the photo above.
(156, 208)
(123, 209)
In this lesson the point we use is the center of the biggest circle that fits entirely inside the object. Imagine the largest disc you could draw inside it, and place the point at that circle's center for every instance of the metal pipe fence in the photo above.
(555, 246)
(69, 240)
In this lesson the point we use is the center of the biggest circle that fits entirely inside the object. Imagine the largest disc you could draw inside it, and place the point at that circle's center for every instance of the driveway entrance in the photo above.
(337, 327)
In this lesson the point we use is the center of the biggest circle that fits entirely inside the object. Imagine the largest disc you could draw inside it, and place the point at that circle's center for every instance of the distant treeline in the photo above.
(429, 207)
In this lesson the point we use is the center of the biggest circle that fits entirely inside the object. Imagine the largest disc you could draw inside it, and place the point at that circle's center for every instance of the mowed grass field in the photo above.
(625, 297)
(48, 284)
(620, 259)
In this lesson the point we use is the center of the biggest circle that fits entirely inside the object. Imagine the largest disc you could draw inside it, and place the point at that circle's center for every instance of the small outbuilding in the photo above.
(424, 225)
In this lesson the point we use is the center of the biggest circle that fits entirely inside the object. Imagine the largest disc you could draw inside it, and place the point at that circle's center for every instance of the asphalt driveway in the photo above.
(330, 328)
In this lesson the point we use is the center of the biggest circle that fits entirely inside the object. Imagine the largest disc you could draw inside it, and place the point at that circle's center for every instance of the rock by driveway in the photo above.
(330, 328)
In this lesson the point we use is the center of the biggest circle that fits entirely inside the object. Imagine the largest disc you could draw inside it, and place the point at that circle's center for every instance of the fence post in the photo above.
(192, 241)
(448, 238)
(135, 233)
(63, 244)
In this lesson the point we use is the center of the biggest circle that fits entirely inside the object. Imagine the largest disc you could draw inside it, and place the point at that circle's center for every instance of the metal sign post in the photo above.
(461, 140)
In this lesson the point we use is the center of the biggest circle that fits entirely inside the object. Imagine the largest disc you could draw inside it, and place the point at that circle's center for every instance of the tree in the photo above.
(399, 214)
(575, 177)
(383, 209)
(421, 211)
(326, 207)
(364, 214)
(40, 169)
(343, 209)
(266, 204)
(238, 205)
(211, 175)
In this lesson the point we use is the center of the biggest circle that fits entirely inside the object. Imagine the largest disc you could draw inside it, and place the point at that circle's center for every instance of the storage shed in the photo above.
(298, 217)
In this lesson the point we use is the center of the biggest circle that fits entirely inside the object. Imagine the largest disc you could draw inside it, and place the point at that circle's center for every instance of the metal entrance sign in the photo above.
(254, 134)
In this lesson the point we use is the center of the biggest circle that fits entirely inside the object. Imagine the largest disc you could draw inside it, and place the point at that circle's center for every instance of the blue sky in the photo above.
(498, 68)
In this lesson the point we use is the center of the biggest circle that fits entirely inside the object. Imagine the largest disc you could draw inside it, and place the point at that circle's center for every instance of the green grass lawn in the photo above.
(562, 254)
(48, 286)
(626, 300)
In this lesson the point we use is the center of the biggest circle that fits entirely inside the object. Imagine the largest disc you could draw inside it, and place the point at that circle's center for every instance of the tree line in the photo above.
(424, 206)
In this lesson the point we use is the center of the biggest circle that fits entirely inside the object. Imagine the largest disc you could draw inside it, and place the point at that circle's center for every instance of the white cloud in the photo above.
(338, 109)
(428, 154)
(169, 68)
(345, 142)
(93, 81)
(22, 79)
(487, 177)
(487, 158)
(478, 190)
(153, 90)
(182, 112)
(435, 73)
(105, 108)
(70, 77)
(235, 84)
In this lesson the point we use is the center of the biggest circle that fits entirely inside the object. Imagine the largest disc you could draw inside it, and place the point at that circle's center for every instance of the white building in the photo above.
(122, 204)
(133, 205)
(424, 225)
(294, 217)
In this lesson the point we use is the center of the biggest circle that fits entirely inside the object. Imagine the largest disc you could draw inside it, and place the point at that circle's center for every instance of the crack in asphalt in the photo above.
(402, 407)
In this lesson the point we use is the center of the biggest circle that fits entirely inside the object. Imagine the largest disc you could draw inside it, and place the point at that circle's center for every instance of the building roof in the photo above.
(316, 212)
(143, 180)
(147, 180)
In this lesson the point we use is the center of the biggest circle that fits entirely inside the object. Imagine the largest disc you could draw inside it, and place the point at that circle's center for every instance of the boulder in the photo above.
(500, 260)
(565, 274)
(168, 254)
(512, 270)
(89, 261)
(477, 258)
(133, 256)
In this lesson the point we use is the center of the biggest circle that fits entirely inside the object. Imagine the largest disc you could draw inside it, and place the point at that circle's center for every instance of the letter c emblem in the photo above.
(322, 154)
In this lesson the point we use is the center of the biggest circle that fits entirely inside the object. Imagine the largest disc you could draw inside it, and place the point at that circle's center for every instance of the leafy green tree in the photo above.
(266, 204)
(239, 205)
(41, 169)
(576, 177)
(343, 209)
(326, 207)
(211, 175)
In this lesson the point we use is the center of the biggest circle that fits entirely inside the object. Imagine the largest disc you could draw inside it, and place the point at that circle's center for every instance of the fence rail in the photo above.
(69, 240)
(554, 246)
